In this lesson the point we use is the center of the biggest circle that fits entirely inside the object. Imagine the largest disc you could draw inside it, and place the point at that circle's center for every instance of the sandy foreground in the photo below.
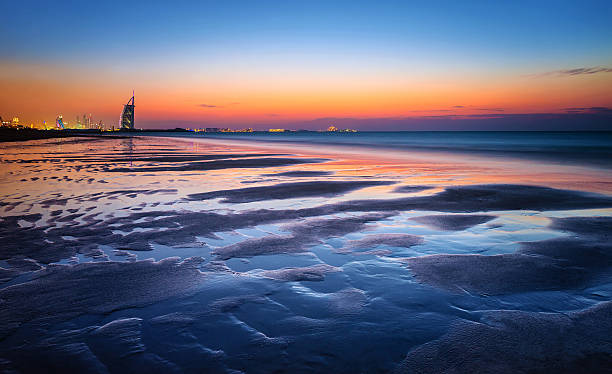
(152, 254)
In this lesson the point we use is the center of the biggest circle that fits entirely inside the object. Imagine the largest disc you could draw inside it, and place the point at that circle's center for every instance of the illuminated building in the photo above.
(332, 128)
(127, 116)
(59, 123)
(276, 130)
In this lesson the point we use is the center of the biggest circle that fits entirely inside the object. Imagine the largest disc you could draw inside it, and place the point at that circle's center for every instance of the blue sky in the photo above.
(541, 33)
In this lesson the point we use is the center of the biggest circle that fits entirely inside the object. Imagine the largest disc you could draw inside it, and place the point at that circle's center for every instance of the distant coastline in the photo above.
(23, 134)
(12, 134)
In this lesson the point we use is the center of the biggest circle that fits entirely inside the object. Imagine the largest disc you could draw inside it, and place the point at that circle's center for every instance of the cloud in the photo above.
(217, 106)
(588, 119)
(491, 109)
(430, 110)
(580, 71)
(574, 72)
(457, 107)
(592, 109)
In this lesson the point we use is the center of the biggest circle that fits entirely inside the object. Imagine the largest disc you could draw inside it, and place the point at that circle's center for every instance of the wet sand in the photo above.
(187, 255)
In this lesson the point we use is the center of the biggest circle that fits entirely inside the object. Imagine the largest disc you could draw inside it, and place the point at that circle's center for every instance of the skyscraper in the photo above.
(59, 122)
(127, 116)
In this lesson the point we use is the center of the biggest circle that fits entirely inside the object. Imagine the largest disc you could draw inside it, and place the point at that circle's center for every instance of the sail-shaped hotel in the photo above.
(127, 116)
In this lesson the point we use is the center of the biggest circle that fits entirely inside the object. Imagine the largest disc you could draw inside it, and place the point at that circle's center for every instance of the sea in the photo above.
(584, 147)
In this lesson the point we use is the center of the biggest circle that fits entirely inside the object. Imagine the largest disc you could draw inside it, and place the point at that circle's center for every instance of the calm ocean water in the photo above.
(590, 148)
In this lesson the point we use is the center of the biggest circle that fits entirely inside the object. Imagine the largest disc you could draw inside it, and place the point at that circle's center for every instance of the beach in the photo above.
(297, 253)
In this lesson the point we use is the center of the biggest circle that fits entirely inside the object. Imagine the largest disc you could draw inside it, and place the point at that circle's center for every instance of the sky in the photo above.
(370, 65)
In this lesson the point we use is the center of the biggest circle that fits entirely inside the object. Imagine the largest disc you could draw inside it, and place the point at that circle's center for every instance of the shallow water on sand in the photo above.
(213, 255)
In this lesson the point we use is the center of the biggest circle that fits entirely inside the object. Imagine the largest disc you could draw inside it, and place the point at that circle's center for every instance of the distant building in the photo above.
(276, 130)
(59, 123)
(213, 129)
(127, 116)
(13, 123)
(335, 129)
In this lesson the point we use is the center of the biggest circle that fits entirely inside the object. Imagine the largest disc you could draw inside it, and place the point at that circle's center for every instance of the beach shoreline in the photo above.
(277, 250)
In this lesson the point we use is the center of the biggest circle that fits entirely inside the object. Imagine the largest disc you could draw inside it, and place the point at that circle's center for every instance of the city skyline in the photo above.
(390, 66)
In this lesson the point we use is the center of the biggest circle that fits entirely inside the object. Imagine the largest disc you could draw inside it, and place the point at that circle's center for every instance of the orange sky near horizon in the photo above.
(36, 93)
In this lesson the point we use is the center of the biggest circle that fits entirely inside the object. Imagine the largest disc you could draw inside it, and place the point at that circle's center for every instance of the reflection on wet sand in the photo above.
(155, 254)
